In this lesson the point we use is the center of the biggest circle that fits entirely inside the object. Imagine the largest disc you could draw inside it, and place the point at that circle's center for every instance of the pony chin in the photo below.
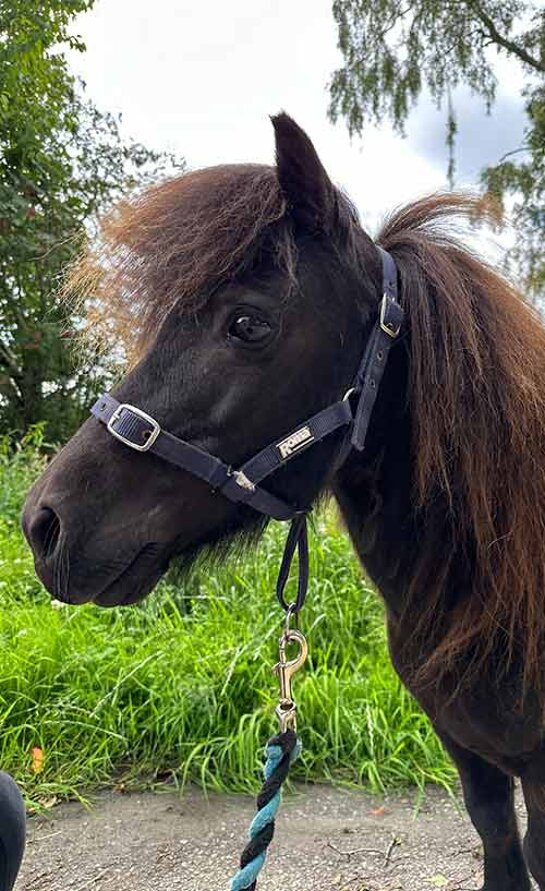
(135, 582)
(132, 584)
(143, 573)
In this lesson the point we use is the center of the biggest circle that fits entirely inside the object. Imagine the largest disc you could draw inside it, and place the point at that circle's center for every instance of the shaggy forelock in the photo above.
(173, 244)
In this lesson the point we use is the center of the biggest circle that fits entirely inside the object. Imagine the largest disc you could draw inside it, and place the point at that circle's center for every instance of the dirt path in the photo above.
(327, 840)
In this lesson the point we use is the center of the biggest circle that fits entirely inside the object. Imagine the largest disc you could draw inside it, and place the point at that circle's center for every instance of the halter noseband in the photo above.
(138, 430)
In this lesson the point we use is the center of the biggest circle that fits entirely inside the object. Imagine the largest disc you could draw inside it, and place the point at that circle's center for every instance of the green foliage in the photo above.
(393, 51)
(61, 161)
(110, 695)
(526, 178)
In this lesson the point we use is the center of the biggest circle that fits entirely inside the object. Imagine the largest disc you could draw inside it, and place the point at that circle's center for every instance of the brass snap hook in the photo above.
(285, 668)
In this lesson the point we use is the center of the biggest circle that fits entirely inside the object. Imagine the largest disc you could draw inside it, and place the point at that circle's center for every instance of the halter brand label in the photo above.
(295, 442)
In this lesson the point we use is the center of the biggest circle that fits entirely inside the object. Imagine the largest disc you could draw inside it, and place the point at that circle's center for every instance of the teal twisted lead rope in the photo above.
(281, 751)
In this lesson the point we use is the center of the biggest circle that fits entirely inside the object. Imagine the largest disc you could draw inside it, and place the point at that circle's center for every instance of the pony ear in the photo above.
(303, 179)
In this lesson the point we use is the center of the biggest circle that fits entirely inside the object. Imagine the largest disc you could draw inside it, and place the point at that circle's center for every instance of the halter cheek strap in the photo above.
(139, 431)
(383, 336)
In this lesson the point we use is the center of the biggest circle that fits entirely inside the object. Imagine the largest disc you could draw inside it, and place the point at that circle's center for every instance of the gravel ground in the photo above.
(327, 840)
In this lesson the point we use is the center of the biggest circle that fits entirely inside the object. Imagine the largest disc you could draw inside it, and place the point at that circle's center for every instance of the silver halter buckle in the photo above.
(155, 429)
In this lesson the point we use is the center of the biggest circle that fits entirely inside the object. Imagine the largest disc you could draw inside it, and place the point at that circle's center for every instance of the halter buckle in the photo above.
(388, 325)
(150, 434)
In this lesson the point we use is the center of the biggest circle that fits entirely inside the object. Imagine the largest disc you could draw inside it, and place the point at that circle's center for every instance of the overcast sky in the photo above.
(200, 79)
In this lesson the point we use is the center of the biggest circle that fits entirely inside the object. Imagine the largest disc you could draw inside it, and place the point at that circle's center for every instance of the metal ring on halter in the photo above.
(291, 612)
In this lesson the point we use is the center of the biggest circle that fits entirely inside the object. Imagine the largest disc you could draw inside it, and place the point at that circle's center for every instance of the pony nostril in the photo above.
(44, 532)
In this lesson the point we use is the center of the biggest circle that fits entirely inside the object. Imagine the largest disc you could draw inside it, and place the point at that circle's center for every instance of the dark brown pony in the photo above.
(245, 295)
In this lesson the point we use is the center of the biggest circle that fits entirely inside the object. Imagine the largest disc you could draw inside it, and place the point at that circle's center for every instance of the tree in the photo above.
(395, 49)
(61, 161)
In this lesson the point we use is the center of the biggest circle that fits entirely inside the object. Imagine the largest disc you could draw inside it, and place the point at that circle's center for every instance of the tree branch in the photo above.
(517, 151)
(9, 361)
(507, 44)
(396, 17)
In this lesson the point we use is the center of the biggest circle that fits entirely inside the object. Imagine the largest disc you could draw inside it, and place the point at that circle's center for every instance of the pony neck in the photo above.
(373, 488)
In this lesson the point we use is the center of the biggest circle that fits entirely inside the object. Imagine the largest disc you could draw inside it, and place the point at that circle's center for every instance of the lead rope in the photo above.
(282, 749)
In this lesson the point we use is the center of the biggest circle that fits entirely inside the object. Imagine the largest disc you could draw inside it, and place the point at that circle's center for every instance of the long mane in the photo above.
(477, 402)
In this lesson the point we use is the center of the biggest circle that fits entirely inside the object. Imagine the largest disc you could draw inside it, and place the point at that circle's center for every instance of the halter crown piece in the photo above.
(138, 430)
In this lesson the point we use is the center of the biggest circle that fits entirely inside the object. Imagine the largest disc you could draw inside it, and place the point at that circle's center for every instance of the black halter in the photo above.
(138, 430)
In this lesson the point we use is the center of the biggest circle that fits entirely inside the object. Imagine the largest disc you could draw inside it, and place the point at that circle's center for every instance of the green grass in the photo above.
(124, 694)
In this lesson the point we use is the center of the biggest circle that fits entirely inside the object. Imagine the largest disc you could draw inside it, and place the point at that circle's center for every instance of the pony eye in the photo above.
(249, 328)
